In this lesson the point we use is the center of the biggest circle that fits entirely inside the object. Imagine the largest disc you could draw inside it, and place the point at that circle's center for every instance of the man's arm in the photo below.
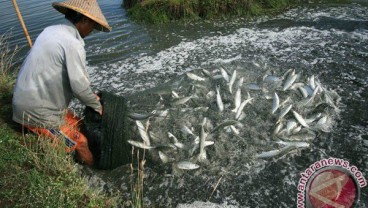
(75, 60)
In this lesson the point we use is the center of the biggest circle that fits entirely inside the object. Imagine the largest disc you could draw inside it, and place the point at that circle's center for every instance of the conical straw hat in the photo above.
(88, 8)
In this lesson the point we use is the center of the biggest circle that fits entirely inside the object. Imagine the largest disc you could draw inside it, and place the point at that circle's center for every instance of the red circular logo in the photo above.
(332, 188)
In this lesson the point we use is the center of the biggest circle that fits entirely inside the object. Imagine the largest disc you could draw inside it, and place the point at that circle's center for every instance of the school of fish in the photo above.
(224, 119)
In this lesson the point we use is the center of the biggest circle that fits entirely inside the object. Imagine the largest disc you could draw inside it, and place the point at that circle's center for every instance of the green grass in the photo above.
(162, 11)
(33, 171)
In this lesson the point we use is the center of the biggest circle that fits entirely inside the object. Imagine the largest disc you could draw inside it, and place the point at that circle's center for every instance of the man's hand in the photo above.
(98, 98)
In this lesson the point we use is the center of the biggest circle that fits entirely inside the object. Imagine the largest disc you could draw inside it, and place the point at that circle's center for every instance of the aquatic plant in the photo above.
(160, 11)
(7, 70)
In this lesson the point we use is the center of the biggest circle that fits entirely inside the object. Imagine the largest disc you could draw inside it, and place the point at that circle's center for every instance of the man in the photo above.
(54, 71)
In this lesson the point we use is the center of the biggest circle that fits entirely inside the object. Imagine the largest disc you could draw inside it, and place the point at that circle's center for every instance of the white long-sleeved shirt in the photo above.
(54, 71)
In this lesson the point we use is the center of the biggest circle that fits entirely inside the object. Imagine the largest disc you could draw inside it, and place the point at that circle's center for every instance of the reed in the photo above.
(161, 11)
(7, 68)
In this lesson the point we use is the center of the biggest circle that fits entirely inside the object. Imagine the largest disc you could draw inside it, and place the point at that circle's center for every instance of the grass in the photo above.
(162, 11)
(33, 171)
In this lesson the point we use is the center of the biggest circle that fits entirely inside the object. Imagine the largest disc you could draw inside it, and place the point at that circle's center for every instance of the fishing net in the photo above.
(228, 120)
(108, 134)
(187, 128)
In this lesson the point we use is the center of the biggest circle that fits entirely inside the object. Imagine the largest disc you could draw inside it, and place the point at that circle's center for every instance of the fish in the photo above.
(232, 80)
(284, 111)
(241, 107)
(202, 153)
(181, 101)
(313, 118)
(140, 144)
(219, 100)
(195, 77)
(322, 120)
(278, 128)
(285, 101)
(300, 119)
(237, 100)
(207, 73)
(296, 129)
(176, 141)
(268, 154)
(240, 82)
(139, 116)
(296, 144)
(273, 153)
(187, 165)
(275, 103)
(174, 94)
(291, 124)
(296, 85)
(143, 133)
(312, 83)
(289, 82)
(236, 131)
(224, 124)
(303, 91)
(289, 71)
(224, 74)
(164, 158)
(309, 100)
(253, 86)
(186, 130)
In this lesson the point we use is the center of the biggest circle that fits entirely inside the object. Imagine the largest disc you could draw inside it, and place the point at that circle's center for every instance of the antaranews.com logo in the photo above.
(330, 182)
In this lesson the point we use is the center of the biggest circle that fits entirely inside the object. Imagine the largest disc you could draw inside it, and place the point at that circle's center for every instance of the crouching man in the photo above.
(53, 72)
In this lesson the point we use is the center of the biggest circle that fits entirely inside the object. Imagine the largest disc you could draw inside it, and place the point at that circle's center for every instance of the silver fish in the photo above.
(232, 80)
(284, 111)
(300, 119)
(274, 153)
(268, 154)
(187, 165)
(278, 128)
(207, 73)
(288, 99)
(313, 118)
(186, 130)
(322, 120)
(289, 71)
(139, 116)
(237, 100)
(202, 153)
(296, 129)
(291, 124)
(174, 94)
(240, 82)
(140, 144)
(143, 133)
(289, 82)
(224, 74)
(219, 100)
(181, 101)
(296, 144)
(195, 77)
(253, 86)
(176, 141)
(236, 131)
(164, 158)
(312, 83)
(224, 124)
(303, 91)
(241, 107)
(296, 85)
(275, 103)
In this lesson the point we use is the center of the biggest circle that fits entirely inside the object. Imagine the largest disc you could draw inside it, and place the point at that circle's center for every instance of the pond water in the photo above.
(329, 41)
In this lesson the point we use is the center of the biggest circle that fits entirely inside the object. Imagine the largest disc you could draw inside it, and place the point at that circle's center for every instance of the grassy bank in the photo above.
(161, 11)
(33, 172)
